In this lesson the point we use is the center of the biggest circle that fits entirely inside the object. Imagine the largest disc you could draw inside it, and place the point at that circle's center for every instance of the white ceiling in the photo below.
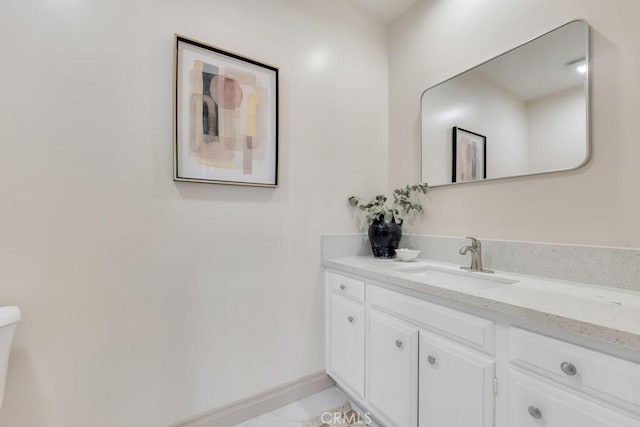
(384, 10)
(540, 68)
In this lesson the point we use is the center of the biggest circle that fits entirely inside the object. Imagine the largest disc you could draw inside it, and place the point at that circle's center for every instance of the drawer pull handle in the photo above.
(350, 319)
(535, 412)
(568, 368)
(343, 287)
(431, 360)
(398, 343)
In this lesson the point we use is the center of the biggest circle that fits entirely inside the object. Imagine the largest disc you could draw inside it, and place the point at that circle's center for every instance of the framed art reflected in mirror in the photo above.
(469, 155)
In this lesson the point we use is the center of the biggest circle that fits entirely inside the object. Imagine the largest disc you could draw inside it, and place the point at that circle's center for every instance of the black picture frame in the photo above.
(226, 117)
(470, 165)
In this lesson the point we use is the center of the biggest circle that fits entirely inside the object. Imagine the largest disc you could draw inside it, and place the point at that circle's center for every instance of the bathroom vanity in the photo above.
(426, 344)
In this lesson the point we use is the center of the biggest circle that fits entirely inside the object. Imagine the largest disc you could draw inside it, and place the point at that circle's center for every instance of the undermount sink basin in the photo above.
(451, 278)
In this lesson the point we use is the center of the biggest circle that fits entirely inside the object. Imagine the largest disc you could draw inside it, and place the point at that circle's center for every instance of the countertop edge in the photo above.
(625, 339)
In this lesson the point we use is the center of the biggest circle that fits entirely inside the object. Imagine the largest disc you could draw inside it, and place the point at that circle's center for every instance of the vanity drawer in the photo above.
(345, 285)
(534, 402)
(579, 367)
(462, 327)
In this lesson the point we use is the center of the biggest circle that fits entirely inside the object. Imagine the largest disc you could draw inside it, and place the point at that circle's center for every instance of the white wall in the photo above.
(474, 103)
(147, 301)
(597, 204)
(557, 130)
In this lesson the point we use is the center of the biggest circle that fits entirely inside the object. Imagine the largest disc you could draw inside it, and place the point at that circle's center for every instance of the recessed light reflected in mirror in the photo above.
(451, 114)
(579, 65)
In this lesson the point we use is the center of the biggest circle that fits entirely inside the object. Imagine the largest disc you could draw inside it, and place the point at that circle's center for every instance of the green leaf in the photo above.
(404, 200)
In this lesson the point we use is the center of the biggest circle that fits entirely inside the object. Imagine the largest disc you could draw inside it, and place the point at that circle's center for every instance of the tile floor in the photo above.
(303, 413)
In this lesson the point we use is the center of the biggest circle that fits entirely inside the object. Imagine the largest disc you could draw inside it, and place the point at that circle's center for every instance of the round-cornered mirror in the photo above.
(524, 112)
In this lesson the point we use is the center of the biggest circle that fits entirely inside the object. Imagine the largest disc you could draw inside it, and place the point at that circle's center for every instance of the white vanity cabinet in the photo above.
(415, 363)
(456, 368)
(456, 384)
(346, 333)
(534, 402)
(557, 384)
(392, 369)
(401, 335)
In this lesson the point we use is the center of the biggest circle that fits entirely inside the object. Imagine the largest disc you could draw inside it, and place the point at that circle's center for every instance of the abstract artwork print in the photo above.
(469, 156)
(226, 117)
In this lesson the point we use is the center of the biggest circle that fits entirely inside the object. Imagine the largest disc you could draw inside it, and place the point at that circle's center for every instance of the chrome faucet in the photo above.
(476, 256)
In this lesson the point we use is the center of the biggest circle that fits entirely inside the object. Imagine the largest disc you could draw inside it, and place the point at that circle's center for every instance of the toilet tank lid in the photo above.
(9, 315)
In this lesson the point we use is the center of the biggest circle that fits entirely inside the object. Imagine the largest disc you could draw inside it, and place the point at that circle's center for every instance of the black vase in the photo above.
(385, 238)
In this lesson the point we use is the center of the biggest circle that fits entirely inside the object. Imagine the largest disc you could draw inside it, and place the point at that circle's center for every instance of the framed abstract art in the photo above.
(226, 117)
(469, 156)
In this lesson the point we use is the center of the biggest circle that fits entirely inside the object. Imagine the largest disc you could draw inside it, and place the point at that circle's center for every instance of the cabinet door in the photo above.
(346, 343)
(536, 402)
(456, 384)
(392, 368)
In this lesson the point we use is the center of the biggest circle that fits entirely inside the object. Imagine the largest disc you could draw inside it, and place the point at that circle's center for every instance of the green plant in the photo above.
(404, 202)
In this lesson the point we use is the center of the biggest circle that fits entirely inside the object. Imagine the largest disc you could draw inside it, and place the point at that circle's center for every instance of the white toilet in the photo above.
(9, 317)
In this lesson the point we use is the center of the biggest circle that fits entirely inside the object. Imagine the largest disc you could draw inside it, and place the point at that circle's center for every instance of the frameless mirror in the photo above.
(523, 112)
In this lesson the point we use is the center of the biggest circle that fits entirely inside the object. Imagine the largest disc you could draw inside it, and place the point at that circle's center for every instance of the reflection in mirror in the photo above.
(521, 113)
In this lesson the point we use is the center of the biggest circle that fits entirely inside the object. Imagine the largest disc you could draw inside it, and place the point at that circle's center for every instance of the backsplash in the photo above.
(599, 265)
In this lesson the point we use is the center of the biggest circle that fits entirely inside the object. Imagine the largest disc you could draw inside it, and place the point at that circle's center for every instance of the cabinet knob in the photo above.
(350, 319)
(431, 360)
(398, 343)
(534, 412)
(342, 287)
(568, 368)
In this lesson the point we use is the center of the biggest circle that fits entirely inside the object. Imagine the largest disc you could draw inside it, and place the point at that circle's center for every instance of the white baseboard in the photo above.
(237, 412)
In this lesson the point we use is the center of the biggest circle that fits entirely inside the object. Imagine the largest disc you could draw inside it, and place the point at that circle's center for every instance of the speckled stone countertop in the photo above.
(602, 313)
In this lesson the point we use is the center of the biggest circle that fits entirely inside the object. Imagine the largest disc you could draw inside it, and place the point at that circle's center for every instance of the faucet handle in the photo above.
(474, 242)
